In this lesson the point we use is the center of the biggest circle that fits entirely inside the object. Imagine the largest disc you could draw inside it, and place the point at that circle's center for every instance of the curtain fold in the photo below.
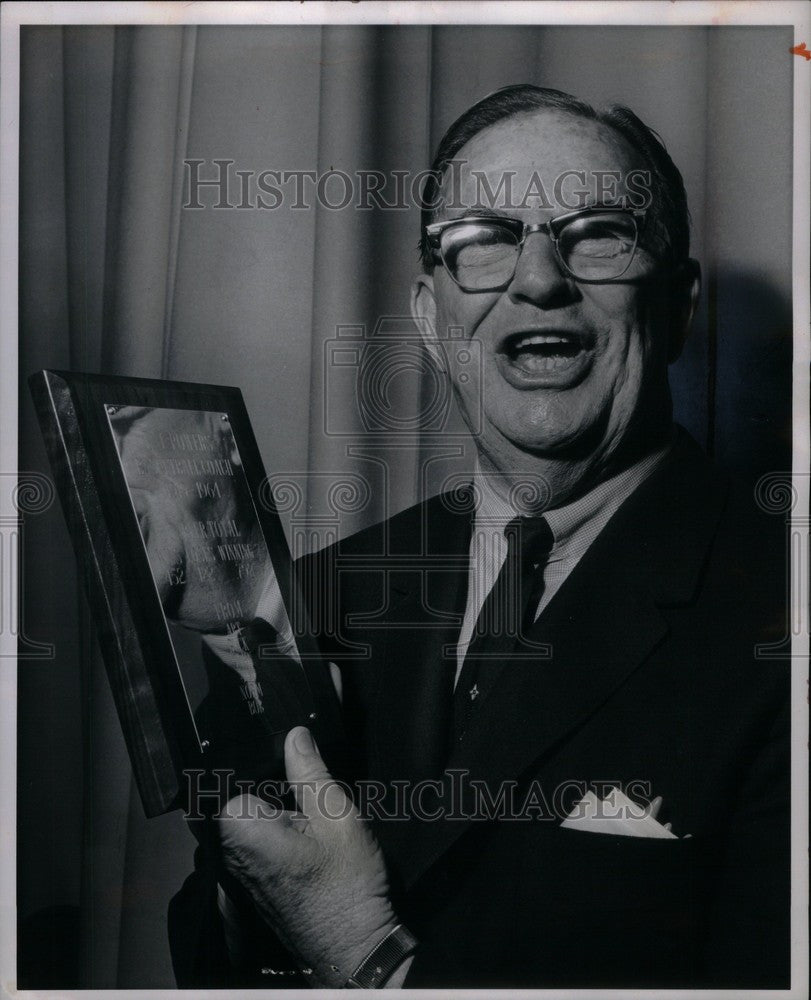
(119, 274)
(748, 226)
(148, 88)
(153, 76)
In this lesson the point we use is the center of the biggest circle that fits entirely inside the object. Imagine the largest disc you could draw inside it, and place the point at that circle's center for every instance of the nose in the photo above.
(539, 276)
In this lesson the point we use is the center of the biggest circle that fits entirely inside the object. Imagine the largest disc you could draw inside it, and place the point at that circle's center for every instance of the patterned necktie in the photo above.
(506, 616)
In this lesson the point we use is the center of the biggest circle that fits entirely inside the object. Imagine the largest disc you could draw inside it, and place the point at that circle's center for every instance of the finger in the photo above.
(247, 821)
(256, 837)
(316, 793)
(654, 807)
(247, 806)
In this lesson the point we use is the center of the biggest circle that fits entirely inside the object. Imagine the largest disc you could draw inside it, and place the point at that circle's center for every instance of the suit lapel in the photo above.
(595, 645)
(602, 625)
(417, 658)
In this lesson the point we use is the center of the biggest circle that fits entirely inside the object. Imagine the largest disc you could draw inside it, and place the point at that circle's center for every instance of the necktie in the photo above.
(506, 616)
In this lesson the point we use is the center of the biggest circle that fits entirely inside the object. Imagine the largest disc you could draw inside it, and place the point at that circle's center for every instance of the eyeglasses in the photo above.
(481, 253)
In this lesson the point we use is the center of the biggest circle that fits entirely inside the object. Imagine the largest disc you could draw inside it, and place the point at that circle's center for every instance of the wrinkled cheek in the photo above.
(492, 396)
(468, 385)
(626, 381)
(455, 309)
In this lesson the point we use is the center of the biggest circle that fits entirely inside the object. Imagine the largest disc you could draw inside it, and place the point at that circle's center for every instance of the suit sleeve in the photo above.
(208, 951)
(748, 939)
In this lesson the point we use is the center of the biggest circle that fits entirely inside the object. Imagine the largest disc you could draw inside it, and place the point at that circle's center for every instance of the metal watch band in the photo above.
(382, 960)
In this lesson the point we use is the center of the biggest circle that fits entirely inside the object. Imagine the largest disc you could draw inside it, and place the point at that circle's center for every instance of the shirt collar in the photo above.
(595, 508)
(494, 510)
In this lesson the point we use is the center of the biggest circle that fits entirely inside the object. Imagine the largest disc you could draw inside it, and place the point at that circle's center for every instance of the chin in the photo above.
(551, 438)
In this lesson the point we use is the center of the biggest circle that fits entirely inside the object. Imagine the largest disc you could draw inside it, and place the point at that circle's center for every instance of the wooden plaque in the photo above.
(180, 545)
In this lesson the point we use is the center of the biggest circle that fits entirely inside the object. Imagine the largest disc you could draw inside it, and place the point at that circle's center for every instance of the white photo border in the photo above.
(663, 13)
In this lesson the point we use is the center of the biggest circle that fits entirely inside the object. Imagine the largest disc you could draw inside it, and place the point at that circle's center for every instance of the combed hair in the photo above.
(668, 199)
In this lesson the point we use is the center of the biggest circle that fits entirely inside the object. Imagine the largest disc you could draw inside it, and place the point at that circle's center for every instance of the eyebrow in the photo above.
(489, 213)
(479, 213)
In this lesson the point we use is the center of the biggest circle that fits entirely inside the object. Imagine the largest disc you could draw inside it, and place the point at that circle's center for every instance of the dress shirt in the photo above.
(574, 527)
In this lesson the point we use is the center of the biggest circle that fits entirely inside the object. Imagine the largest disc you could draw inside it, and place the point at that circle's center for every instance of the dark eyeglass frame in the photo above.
(522, 230)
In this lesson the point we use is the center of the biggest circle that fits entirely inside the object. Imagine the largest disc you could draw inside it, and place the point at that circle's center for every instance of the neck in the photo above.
(552, 481)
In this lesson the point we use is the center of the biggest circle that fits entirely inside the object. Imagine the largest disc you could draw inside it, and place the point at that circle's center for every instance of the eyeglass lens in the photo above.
(483, 255)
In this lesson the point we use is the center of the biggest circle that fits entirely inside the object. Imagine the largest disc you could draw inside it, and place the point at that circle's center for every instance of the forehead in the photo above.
(545, 143)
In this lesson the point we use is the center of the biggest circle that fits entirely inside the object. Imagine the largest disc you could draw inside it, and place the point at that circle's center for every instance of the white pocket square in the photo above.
(618, 815)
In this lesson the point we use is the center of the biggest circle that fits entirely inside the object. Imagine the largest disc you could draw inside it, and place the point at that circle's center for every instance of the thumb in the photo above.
(302, 759)
(316, 792)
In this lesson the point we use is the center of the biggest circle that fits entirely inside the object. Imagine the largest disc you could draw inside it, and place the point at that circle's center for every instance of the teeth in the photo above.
(545, 364)
(540, 339)
(554, 362)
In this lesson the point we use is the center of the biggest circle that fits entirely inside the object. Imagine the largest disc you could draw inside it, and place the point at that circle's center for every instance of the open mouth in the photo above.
(531, 357)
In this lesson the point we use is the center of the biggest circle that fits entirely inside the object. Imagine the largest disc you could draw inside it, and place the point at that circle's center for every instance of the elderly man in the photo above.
(568, 675)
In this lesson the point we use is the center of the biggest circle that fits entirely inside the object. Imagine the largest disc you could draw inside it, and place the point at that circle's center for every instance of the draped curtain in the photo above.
(116, 276)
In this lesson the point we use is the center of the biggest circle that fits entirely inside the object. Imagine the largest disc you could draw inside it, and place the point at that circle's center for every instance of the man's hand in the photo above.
(316, 876)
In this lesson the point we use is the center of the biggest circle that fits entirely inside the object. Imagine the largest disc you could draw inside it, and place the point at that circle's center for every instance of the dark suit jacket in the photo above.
(652, 684)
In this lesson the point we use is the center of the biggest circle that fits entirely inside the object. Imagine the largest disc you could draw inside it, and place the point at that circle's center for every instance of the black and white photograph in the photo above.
(404, 530)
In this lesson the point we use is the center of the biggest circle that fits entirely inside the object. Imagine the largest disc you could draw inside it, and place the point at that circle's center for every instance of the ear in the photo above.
(686, 292)
(423, 312)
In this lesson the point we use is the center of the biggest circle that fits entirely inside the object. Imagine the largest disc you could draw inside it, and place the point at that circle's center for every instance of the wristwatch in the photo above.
(381, 962)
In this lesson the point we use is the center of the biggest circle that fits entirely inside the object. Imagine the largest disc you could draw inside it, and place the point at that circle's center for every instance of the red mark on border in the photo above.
(801, 50)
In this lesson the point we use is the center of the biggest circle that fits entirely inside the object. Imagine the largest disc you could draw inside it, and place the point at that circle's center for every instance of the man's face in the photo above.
(187, 565)
(567, 368)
